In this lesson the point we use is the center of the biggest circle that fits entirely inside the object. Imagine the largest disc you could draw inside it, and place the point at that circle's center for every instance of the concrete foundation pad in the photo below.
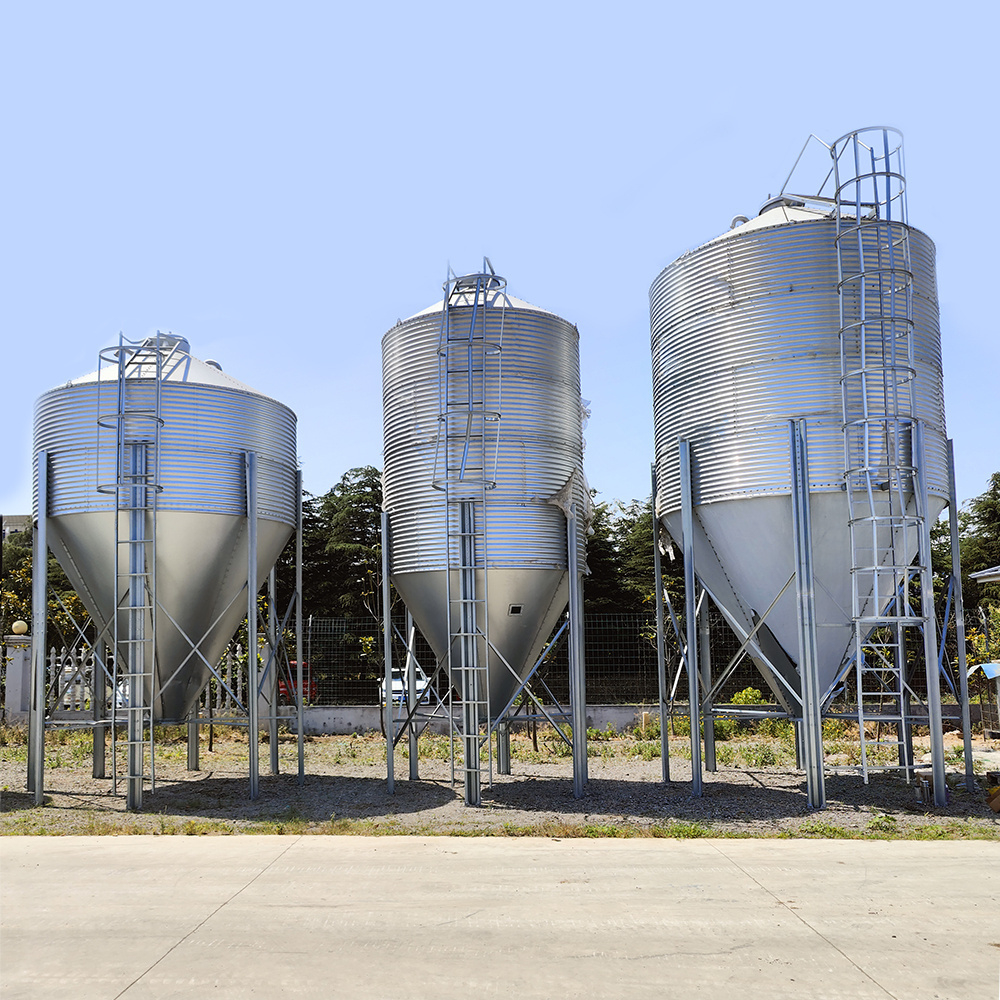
(144, 918)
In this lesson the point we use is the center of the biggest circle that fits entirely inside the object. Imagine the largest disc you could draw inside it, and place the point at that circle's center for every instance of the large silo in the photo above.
(823, 309)
(145, 470)
(483, 463)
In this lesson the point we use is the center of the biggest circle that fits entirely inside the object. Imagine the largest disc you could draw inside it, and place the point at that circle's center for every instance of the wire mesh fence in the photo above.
(345, 657)
(344, 666)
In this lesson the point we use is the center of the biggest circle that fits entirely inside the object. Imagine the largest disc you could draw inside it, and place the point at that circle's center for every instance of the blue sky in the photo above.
(280, 182)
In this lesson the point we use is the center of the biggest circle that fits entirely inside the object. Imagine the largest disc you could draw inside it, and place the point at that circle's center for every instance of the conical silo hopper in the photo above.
(196, 540)
(745, 337)
(530, 383)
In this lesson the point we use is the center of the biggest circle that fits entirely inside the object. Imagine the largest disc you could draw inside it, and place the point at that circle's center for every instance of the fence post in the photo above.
(17, 659)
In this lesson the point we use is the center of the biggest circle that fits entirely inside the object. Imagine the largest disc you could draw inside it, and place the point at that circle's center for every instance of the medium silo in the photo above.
(147, 465)
(823, 309)
(483, 465)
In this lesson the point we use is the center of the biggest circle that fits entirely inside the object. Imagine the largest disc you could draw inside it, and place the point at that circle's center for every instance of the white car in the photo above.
(400, 689)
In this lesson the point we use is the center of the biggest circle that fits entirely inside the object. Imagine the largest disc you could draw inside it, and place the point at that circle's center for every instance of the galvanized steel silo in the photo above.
(530, 384)
(744, 338)
(207, 423)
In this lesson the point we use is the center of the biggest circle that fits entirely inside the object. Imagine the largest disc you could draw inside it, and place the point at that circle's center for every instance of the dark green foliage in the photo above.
(341, 549)
(351, 513)
(981, 544)
(16, 581)
(603, 592)
(620, 556)
(16, 592)
(634, 543)
(342, 552)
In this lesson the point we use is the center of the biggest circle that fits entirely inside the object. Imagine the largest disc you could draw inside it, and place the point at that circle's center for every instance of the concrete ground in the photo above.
(439, 917)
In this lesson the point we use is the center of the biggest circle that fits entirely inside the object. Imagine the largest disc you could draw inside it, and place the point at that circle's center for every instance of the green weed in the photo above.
(882, 823)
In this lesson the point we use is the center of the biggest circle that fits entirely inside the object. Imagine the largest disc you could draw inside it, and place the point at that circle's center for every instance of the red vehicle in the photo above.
(309, 686)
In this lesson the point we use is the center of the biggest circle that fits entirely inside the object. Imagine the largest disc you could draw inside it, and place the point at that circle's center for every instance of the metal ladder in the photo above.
(883, 476)
(135, 422)
(465, 470)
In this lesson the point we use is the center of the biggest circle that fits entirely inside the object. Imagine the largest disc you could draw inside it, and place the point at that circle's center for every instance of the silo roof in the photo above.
(181, 367)
(780, 215)
(499, 299)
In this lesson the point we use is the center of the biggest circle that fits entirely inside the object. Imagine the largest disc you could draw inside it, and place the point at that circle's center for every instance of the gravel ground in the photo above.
(345, 792)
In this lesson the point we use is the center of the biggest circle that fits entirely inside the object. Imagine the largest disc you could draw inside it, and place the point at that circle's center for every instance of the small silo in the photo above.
(822, 309)
(483, 462)
(157, 423)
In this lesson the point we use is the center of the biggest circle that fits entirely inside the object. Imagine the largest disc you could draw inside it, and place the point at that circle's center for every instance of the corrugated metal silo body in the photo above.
(540, 450)
(745, 337)
(209, 421)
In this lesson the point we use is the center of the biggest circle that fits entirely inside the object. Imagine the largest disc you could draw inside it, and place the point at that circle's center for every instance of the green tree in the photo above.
(980, 543)
(348, 519)
(634, 544)
(341, 549)
(603, 592)
(16, 580)
(15, 601)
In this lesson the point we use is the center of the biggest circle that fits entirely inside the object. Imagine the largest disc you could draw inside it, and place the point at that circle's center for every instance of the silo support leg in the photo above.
(39, 627)
(192, 741)
(690, 615)
(503, 748)
(253, 735)
(411, 688)
(577, 685)
(904, 730)
(300, 697)
(956, 575)
(99, 695)
(272, 673)
(812, 723)
(661, 657)
(932, 673)
(705, 657)
(390, 735)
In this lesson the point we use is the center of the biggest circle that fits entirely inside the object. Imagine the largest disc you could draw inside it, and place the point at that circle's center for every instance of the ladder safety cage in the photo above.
(135, 421)
(465, 470)
(886, 497)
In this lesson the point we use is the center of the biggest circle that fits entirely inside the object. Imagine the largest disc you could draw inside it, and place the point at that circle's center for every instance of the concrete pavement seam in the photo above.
(201, 923)
(803, 920)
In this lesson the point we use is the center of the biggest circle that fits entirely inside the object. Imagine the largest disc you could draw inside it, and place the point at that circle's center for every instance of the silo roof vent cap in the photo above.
(781, 201)
(180, 344)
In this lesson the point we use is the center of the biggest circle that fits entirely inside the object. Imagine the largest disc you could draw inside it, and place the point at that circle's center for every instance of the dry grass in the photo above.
(756, 792)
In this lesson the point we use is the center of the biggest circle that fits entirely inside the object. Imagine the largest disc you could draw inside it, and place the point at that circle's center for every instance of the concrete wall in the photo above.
(319, 720)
